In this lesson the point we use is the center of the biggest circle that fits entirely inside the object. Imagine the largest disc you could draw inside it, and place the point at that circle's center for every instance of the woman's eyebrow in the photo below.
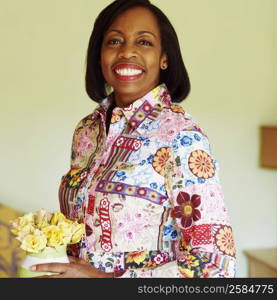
(138, 33)
(145, 31)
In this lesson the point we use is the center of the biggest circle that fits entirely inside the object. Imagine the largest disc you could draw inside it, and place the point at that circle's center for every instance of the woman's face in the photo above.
(131, 55)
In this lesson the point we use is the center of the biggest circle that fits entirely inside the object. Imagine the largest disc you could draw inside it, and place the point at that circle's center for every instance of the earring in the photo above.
(108, 89)
(164, 66)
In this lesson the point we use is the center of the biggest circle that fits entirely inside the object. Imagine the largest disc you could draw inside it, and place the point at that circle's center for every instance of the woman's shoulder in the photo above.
(178, 121)
(96, 113)
(89, 119)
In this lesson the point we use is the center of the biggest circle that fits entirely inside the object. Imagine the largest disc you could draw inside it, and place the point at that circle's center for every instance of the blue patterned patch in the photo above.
(197, 137)
(201, 180)
(153, 185)
(150, 159)
(189, 182)
(186, 141)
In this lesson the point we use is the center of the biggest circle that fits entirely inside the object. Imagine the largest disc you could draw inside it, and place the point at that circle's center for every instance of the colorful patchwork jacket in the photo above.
(148, 193)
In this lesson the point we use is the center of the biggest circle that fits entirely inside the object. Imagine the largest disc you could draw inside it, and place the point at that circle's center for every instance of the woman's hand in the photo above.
(77, 268)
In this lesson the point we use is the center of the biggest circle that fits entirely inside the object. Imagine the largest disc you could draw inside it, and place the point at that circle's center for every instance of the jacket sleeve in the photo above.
(205, 245)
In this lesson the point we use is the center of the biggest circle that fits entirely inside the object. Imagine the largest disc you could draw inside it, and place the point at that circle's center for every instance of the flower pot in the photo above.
(48, 255)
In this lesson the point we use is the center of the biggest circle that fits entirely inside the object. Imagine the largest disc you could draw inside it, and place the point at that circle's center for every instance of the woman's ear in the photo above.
(163, 62)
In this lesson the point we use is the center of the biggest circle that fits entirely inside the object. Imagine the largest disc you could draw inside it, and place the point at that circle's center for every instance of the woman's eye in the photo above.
(145, 43)
(114, 42)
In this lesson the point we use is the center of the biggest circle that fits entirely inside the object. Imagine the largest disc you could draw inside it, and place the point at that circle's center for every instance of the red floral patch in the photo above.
(198, 234)
(187, 210)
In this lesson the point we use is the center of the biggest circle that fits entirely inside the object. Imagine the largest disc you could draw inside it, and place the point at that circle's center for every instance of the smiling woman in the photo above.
(142, 177)
(131, 58)
(147, 29)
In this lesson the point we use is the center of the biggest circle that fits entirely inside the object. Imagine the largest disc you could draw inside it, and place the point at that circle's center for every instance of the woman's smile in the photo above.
(128, 72)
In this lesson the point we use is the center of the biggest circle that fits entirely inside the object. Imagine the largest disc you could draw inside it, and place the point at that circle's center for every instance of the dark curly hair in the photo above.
(175, 76)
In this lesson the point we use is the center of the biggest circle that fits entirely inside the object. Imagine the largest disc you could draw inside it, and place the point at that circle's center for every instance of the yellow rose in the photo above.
(20, 223)
(47, 230)
(66, 231)
(27, 229)
(79, 230)
(34, 242)
(28, 218)
(41, 218)
(57, 218)
(16, 228)
(53, 235)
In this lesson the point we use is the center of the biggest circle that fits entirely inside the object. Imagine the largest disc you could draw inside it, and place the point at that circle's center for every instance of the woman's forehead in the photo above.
(137, 19)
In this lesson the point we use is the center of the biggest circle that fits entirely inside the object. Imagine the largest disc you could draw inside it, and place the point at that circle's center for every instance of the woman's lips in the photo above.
(128, 72)
(128, 77)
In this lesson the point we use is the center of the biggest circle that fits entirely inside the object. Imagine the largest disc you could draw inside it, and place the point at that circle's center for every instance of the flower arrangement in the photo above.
(38, 231)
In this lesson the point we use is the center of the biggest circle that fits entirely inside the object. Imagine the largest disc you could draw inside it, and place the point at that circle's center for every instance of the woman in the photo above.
(142, 178)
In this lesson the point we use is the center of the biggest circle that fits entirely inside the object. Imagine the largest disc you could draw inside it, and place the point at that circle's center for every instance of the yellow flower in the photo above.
(34, 242)
(66, 231)
(27, 229)
(53, 235)
(160, 159)
(136, 256)
(57, 218)
(78, 232)
(200, 164)
(35, 232)
(41, 218)
(28, 218)
(191, 261)
(47, 230)
(20, 223)
(225, 241)
(176, 108)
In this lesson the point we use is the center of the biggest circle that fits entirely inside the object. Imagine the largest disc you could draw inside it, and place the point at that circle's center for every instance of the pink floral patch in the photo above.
(84, 142)
(213, 209)
(172, 123)
(133, 225)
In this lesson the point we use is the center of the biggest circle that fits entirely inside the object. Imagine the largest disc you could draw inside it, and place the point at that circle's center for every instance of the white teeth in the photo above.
(128, 72)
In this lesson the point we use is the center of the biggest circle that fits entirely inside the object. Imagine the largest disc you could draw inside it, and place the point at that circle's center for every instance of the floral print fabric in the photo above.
(148, 192)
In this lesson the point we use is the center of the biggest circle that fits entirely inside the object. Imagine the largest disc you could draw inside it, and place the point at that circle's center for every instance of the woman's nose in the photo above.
(127, 50)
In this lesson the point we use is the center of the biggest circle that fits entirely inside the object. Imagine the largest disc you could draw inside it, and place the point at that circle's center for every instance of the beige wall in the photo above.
(229, 48)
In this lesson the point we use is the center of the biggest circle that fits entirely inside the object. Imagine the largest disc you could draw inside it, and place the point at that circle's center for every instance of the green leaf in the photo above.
(108, 264)
(110, 259)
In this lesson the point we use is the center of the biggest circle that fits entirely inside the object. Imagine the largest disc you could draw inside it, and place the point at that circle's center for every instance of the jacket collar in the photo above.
(142, 108)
